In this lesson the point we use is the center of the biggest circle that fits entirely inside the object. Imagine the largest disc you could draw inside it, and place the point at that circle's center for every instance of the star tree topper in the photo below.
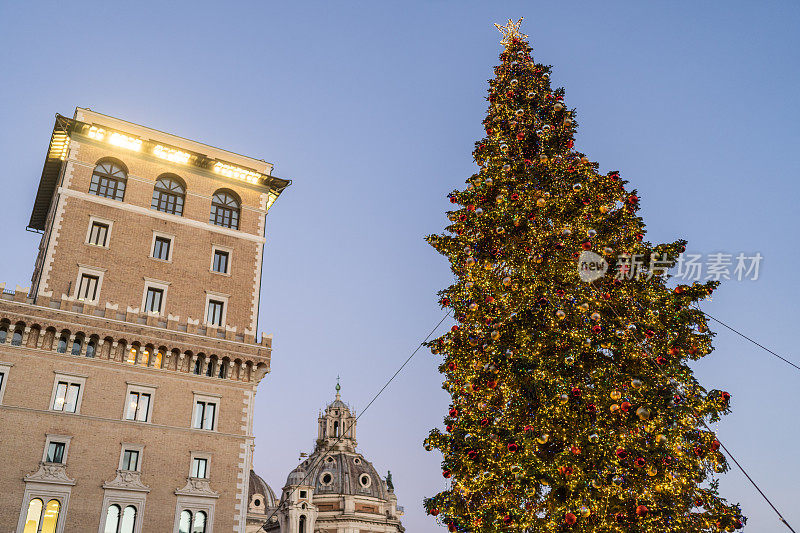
(511, 31)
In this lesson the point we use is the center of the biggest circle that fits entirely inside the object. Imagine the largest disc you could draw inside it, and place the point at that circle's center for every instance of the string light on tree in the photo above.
(573, 407)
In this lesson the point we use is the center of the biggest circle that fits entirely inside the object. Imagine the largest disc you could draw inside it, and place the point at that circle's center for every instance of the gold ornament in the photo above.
(615, 395)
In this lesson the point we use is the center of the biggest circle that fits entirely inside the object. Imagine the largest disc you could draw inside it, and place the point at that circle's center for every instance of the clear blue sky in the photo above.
(372, 108)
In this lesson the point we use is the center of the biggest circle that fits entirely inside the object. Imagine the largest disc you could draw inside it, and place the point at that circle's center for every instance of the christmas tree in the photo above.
(573, 407)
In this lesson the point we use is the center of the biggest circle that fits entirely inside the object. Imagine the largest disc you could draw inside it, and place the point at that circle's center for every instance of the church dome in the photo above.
(339, 472)
(260, 495)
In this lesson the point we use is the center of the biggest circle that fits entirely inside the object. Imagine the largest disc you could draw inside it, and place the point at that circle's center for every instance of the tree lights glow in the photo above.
(573, 407)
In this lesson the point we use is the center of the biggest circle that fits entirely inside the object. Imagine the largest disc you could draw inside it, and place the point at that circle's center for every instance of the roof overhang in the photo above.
(147, 141)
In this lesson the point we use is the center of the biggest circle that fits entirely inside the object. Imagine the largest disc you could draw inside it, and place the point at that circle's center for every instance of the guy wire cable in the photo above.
(344, 432)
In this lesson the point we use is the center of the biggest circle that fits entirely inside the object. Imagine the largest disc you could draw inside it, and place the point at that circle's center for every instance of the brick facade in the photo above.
(111, 346)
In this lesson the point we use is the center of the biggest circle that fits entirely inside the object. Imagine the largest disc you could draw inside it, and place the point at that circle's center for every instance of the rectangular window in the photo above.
(98, 234)
(161, 248)
(220, 263)
(55, 452)
(87, 289)
(130, 460)
(199, 468)
(205, 414)
(66, 397)
(138, 406)
(2, 382)
(215, 309)
(153, 299)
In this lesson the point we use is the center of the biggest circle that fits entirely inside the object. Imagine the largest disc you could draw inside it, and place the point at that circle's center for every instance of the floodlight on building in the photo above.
(171, 154)
(235, 172)
(125, 141)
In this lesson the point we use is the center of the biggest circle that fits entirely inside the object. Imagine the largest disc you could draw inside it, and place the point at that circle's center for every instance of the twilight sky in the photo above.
(372, 108)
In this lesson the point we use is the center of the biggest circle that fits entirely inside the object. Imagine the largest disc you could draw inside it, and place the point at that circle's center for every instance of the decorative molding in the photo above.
(127, 480)
(197, 487)
(50, 473)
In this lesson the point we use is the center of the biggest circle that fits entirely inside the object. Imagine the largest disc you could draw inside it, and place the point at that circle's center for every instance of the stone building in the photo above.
(334, 490)
(128, 369)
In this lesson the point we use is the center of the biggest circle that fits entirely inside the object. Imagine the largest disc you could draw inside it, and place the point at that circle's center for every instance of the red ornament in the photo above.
(484, 422)
(586, 245)
(575, 449)
(507, 519)
(512, 447)
(449, 428)
(454, 412)
(621, 453)
(446, 473)
(451, 366)
(492, 384)
(576, 392)
(641, 511)
(661, 360)
(640, 462)
(649, 333)
(454, 328)
(726, 396)
(715, 445)
(597, 329)
(570, 519)
(451, 527)
(472, 454)
(520, 136)
(625, 406)
(592, 408)
(433, 512)
(674, 351)
(470, 207)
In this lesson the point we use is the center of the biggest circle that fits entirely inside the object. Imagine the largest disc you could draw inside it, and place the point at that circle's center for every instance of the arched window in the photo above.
(16, 338)
(210, 368)
(42, 519)
(225, 209)
(91, 348)
(112, 519)
(158, 358)
(185, 524)
(108, 180)
(77, 344)
(128, 520)
(335, 428)
(223, 369)
(199, 522)
(3, 333)
(188, 525)
(197, 365)
(62, 344)
(169, 194)
(302, 523)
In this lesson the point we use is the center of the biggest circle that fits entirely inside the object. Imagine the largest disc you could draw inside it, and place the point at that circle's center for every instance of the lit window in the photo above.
(87, 288)
(205, 414)
(225, 210)
(220, 263)
(108, 180)
(55, 452)
(199, 468)
(66, 397)
(215, 310)
(161, 248)
(41, 519)
(130, 460)
(153, 300)
(192, 523)
(168, 195)
(118, 521)
(98, 234)
(138, 406)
